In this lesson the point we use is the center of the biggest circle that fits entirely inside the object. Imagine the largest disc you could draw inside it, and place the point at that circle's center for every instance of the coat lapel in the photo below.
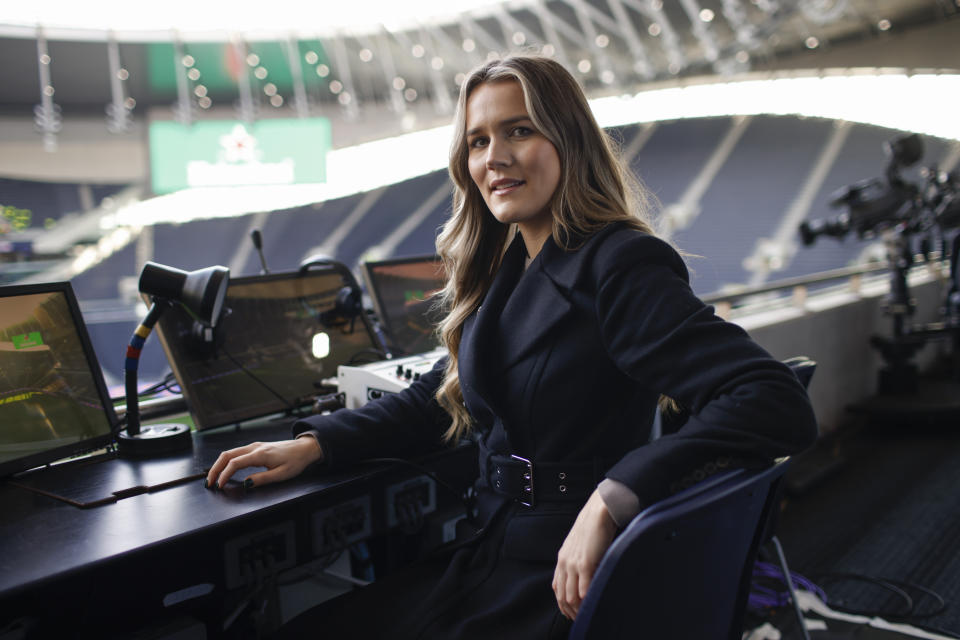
(530, 314)
(480, 329)
(518, 311)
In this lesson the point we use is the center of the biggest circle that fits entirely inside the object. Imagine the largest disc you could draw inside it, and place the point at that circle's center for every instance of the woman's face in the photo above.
(514, 166)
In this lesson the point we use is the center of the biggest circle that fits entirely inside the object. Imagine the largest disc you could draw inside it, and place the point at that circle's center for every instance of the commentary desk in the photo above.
(180, 549)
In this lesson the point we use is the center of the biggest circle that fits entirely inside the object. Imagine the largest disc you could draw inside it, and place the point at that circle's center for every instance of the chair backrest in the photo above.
(803, 367)
(682, 568)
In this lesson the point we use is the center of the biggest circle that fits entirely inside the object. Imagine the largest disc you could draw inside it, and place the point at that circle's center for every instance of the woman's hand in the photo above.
(580, 554)
(283, 460)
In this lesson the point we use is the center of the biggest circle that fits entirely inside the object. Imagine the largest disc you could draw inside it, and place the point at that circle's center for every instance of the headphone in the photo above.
(348, 304)
(205, 341)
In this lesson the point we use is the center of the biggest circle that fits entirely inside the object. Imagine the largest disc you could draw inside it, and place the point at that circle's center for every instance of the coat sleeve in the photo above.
(745, 407)
(399, 424)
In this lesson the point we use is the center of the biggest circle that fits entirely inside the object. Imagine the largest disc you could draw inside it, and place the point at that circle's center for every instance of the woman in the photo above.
(566, 321)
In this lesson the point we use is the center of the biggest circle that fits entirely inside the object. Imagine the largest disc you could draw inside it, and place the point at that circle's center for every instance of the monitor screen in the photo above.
(278, 339)
(402, 291)
(53, 400)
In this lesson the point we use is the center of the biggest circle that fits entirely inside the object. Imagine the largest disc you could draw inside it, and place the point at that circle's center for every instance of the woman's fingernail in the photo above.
(248, 483)
(206, 484)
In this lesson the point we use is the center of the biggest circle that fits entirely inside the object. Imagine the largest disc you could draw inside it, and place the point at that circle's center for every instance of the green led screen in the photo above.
(231, 153)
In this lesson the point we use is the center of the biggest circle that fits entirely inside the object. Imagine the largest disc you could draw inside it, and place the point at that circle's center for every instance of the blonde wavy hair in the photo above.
(595, 190)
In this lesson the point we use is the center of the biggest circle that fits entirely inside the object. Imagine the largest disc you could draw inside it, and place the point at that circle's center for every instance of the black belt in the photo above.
(529, 482)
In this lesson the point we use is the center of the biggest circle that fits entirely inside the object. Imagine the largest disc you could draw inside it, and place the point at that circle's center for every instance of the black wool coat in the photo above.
(564, 362)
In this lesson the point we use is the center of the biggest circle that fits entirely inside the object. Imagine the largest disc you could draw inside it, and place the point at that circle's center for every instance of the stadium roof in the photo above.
(217, 19)
(401, 56)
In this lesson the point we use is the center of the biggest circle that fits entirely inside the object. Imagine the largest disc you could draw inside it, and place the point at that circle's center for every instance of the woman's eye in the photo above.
(476, 143)
(521, 131)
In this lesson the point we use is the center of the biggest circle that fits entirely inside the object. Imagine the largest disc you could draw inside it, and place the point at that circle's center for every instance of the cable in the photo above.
(941, 604)
(840, 605)
(166, 384)
(290, 407)
(937, 630)
(765, 597)
(163, 385)
(360, 552)
(410, 516)
(899, 587)
(310, 569)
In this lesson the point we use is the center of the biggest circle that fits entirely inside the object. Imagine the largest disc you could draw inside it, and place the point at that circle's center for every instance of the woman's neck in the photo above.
(534, 236)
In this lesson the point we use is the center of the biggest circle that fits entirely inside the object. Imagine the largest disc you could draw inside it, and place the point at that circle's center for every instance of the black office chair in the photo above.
(682, 569)
(803, 367)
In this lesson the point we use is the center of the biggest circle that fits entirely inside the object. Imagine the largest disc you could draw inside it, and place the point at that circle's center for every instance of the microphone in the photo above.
(257, 239)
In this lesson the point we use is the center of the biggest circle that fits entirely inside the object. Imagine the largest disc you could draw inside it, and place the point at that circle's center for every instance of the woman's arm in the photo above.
(398, 424)
(745, 407)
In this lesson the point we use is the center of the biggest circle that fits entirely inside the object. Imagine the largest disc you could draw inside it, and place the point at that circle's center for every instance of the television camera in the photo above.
(912, 218)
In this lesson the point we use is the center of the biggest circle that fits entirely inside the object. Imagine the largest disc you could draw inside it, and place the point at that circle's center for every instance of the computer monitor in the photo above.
(402, 292)
(53, 400)
(279, 338)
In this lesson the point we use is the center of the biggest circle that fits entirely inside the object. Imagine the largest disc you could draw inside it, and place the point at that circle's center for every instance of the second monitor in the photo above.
(403, 294)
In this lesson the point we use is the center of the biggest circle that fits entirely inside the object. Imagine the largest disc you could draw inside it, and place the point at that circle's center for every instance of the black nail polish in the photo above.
(206, 485)
(248, 483)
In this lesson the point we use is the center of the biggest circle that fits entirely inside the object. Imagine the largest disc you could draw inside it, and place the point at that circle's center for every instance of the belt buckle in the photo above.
(526, 495)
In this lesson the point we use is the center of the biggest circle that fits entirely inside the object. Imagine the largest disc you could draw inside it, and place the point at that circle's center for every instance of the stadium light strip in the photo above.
(219, 20)
(921, 103)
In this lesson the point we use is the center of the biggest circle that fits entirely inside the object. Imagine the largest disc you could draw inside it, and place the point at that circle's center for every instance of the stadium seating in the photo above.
(744, 201)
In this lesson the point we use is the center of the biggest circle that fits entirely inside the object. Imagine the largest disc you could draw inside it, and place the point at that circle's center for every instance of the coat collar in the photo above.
(521, 307)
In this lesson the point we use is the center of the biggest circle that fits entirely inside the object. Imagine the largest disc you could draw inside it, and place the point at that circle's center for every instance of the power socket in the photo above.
(340, 526)
(260, 553)
(419, 493)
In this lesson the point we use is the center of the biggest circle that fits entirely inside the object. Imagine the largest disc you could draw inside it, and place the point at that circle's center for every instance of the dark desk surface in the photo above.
(176, 534)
